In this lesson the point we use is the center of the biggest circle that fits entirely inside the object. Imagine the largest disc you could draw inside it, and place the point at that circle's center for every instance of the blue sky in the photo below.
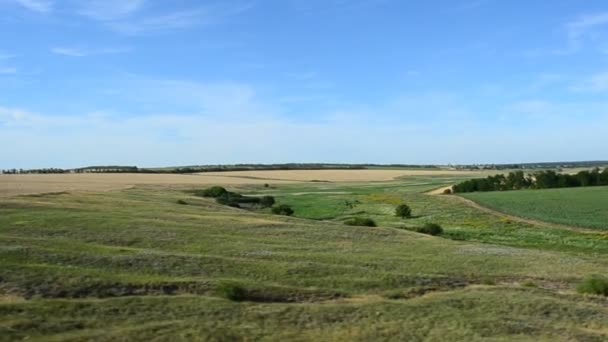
(156, 83)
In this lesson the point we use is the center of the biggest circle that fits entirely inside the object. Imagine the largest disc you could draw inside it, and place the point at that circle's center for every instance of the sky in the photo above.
(185, 82)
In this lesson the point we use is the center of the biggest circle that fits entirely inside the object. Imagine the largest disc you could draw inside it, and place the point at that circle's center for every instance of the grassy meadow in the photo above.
(133, 264)
(579, 207)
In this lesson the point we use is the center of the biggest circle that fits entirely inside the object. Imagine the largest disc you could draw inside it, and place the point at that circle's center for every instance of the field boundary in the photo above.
(520, 219)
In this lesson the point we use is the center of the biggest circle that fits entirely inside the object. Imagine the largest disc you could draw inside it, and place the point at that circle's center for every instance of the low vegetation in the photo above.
(282, 209)
(360, 221)
(236, 200)
(232, 291)
(597, 285)
(155, 270)
(403, 211)
(213, 192)
(430, 229)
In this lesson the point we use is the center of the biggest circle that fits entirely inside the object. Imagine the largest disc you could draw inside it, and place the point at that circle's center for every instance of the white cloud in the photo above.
(596, 83)
(42, 6)
(83, 52)
(109, 9)
(585, 23)
(12, 115)
(129, 16)
(584, 28)
(183, 139)
(168, 22)
(317, 6)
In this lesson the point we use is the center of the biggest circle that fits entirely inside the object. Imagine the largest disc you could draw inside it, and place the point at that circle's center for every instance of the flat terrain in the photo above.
(11, 185)
(134, 264)
(581, 207)
(373, 175)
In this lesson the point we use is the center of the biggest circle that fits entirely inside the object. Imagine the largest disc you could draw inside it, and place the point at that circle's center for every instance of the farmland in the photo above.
(582, 207)
(22, 184)
(157, 269)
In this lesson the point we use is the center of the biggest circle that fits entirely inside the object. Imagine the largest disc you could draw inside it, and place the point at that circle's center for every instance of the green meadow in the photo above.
(579, 207)
(136, 265)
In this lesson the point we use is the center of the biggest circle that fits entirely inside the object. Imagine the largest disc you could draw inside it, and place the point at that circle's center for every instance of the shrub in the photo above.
(403, 211)
(360, 221)
(447, 191)
(430, 229)
(595, 284)
(267, 185)
(230, 199)
(267, 201)
(232, 291)
(214, 191)
(283, 209)
(182, 202)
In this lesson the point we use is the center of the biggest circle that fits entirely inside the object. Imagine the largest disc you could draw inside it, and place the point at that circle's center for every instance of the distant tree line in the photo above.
(538, 180)
(528, 166)
(190, 169)
(32, 171)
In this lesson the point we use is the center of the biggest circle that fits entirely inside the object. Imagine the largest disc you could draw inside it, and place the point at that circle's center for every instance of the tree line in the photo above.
(546, 179)
(190, 169)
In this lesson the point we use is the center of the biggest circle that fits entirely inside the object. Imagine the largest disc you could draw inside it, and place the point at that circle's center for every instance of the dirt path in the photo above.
(514, 218)
(439, 191)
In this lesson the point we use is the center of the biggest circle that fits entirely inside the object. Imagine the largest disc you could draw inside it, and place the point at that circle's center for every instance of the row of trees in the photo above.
(190, 169)
(538, 180)
(22, 171)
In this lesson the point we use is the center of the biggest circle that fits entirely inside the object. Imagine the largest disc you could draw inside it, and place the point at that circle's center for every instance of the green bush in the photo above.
(214, 191)
(594, 284)
(232, 291)
(282, 209)
(360, 221)
(267, 201)
(403, 211)
(230, 199)
(447, 191)
(182, 202)
(430, 229)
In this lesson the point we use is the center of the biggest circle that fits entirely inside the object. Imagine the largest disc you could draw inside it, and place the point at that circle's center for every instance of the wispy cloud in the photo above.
(106, 10)
(597, 83)
(83, 52)
(316, 6)
(582, 28)
(41, 6)
(5, 56)
(8, 71)
(133, 17)
(168, 22)
(12, 115)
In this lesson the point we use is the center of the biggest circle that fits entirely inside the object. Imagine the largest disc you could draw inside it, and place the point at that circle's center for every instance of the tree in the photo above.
(430, 229)
(360, 221)
(214, 191)
(403, 211)
(282, 209)
(267, 201)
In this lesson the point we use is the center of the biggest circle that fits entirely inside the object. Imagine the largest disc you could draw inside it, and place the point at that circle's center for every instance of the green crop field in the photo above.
(134, 264)
(579, 207)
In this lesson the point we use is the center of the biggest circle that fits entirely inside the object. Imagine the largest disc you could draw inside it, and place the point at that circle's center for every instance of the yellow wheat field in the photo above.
(11, 185)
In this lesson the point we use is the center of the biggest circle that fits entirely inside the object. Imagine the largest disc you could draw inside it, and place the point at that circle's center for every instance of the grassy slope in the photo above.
(460, 221)
(583, 207)
(136, 265)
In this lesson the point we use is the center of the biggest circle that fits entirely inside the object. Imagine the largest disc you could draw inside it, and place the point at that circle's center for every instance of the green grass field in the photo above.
(579, 207)
(135, 265)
